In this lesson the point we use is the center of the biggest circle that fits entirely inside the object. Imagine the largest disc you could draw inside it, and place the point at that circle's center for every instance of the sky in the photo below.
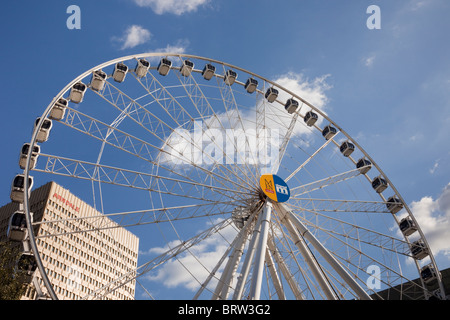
(388, 87)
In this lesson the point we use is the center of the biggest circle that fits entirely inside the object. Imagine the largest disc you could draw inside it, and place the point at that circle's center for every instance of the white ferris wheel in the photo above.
(192, 150)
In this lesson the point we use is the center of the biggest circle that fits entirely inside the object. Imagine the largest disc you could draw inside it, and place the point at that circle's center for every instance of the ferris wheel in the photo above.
(190, 152)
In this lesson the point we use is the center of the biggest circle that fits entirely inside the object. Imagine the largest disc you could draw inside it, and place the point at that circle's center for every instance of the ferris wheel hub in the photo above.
(274, 187)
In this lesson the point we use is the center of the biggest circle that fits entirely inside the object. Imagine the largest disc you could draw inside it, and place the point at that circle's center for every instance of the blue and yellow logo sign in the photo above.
(274, 187)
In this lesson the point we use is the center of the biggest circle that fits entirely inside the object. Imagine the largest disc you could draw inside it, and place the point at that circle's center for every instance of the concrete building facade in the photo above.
(78, 262)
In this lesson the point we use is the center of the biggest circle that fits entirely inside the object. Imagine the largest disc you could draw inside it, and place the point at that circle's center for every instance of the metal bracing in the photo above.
(309, 187)
(274, 276)
(362, 294)
(293, 285)
(159, 260)
(311, 261)
(226, 280)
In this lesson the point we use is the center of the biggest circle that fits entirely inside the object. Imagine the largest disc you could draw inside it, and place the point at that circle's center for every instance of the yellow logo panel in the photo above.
(274, 187)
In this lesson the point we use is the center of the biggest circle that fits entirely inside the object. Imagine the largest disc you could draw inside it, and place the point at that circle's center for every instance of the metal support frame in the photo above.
(360, 292)
(255, 289)
(307, 255)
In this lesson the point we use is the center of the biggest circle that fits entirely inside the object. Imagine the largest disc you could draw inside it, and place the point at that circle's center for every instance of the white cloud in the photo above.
(133, 36)
(433, 217)
(180, 46)
(415, 5)
(368, 62)
(435, 166)
(177, 7)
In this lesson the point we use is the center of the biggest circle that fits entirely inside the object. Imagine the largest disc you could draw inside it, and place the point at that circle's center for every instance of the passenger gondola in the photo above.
(208, 71)
(120, 72)
(142, 67)
(18, 187)
(164, 66)
(394, 204)
(418, 250)
(58, 109)
(363, 165)
(77, 92)
(428, 274)
(271, 94)
(328, 132)
(230, 77)
(379, 184)
(291, 106)
(347, 148)
(251, 85)
(44, 130)
(310, 118)
(24, 156)
(186, 68)
(407, 226)
(98, 80)
(27, 265)
(17, 227)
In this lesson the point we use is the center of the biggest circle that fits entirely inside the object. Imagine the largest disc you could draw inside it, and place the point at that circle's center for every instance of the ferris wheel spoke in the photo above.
(128, 143)
(104, 221)
(212, 120)
(352, 237)
(174, 109)
(360, 234)
(294, 172)
(148, 266)
(319, 184)
(339, 205)
(236, 123)
(128, 178)
(154, 125)
(325, 253)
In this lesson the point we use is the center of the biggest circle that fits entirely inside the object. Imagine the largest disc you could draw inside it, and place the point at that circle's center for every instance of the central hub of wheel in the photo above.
(274, 187)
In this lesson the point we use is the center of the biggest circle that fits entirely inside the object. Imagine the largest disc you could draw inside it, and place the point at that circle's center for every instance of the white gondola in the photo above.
(18, 187)
(428, 273)
(120, 72)
(186, 68)
(328, 132)
(347, 148)
(363, 165)
(251, 85)
(44, 130)
(271, 94)
(310, 118)
(17, 227)
(77, 92)
(27, 265)
(418, 250)
(379, 184)
(208, 71)
(142, 67)
(291, 106)
(58, 109)
(98, 80)
(394, 204)
(164, 66)
(24, 156)
(230, 77)
(407, 226)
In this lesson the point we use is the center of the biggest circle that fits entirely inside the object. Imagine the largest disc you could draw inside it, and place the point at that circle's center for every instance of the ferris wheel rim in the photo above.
(165, 54)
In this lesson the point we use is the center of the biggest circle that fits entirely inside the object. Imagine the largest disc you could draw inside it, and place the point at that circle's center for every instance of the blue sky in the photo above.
(388, 88)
